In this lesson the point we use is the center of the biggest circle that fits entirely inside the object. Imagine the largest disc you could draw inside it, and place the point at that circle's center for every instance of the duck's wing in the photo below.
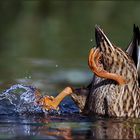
(134, 49)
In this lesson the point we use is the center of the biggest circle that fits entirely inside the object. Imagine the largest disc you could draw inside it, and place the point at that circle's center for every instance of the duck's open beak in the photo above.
(101, 38)
(134, 48)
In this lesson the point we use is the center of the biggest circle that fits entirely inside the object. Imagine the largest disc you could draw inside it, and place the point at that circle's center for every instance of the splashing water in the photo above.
(19, 99)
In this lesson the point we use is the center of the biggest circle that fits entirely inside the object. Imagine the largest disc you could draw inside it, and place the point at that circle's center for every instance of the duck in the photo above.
(114, 90)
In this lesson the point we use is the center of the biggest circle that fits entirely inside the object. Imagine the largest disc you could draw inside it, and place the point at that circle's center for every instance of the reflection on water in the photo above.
(57, 127)
(45, 44)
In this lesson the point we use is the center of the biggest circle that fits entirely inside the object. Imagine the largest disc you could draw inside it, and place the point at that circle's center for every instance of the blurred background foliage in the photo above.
(46, 43)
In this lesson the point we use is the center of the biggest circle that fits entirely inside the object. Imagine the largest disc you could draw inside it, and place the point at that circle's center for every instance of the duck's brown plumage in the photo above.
(114, 90)
(106, 96)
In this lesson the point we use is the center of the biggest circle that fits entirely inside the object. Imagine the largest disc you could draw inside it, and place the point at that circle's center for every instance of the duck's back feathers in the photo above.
(134, 49)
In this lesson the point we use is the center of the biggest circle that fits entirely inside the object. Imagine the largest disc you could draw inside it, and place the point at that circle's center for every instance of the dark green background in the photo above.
(46, 43)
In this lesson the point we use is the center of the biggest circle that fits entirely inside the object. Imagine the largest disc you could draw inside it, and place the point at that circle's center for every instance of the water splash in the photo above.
(19, 99)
